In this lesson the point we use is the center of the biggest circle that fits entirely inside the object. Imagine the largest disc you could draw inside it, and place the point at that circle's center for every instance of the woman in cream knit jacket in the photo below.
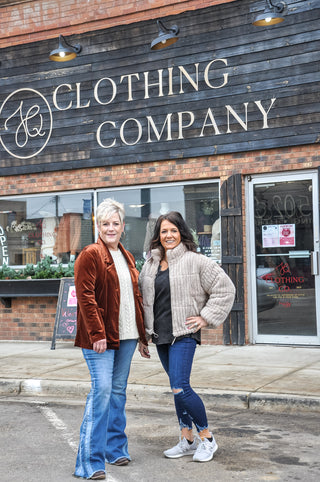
(183, 291)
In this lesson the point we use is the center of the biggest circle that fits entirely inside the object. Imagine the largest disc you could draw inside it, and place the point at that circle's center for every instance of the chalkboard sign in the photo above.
(65, 326)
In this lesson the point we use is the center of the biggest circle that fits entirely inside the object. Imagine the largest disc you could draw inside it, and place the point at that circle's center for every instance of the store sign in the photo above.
(28, 121)
(4, 247)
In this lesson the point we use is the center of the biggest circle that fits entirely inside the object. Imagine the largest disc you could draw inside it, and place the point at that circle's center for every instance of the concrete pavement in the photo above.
(259, 377)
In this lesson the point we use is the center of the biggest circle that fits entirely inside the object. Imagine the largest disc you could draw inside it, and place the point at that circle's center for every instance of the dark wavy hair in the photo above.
(186, 236)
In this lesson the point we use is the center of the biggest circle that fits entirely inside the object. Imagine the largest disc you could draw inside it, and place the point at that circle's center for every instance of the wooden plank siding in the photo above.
(263, 63)
(232, 255)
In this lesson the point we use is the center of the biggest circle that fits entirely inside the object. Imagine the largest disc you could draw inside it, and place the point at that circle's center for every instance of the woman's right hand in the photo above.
(100, 346)
(144, 350)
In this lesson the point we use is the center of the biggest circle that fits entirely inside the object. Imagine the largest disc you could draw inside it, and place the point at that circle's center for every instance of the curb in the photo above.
(159, 395)
(283, 403)
(44, 388)
(9, 387)
(55, 388)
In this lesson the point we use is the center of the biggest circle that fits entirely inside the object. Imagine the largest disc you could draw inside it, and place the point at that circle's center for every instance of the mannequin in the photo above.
(68, 236)
(49, 234)
(215, 240)
(149, 233)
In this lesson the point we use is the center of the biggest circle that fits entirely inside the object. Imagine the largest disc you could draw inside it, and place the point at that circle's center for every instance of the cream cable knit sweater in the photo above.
(199, 287)
(127, 317)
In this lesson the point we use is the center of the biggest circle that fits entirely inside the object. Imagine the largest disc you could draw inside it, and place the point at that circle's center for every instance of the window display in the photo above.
(59, 225)
(198, 204)
(33, 227)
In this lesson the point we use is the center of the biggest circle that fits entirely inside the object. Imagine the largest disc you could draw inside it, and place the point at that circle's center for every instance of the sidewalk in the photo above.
(256, 376)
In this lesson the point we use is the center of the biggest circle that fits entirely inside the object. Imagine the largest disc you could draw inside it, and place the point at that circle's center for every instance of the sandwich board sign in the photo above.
(65, 326)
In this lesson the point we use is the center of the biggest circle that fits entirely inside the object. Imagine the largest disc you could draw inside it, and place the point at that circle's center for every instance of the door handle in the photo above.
(314, 263)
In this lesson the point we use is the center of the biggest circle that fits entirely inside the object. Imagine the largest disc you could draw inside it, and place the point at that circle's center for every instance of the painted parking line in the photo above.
(58, 424)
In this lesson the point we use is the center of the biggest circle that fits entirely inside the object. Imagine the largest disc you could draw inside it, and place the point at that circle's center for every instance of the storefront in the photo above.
(222, 126)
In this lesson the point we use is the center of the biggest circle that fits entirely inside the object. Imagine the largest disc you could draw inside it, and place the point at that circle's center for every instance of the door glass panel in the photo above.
(284, 245)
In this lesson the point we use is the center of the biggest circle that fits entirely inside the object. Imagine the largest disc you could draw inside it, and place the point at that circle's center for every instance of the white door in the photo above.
(283, 258)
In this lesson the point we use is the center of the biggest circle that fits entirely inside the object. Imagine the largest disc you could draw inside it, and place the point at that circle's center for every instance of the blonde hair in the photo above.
(107, 208)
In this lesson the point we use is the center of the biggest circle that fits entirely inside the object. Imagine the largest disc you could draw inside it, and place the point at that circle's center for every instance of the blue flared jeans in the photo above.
(177, 361)
(102, 432)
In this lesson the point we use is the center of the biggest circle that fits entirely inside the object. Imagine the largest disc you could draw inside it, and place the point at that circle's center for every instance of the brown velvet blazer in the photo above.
(98, 295)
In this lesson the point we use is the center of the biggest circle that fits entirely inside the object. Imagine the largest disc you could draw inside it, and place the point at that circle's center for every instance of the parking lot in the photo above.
(39, 442)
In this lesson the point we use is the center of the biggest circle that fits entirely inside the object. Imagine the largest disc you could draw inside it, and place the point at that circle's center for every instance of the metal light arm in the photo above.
(77, 48)
(279, 7)
(174, 28)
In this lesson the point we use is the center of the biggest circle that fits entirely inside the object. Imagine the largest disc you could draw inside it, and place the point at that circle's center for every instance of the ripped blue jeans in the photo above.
(177, 361)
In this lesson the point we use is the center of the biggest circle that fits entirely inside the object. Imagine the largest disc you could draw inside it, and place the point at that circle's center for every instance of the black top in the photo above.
(162, 311)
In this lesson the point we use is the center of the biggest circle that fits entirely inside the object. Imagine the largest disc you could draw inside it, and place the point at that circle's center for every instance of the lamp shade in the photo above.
(65, 51)
(166, 36)
(266, 19)
(271, 15)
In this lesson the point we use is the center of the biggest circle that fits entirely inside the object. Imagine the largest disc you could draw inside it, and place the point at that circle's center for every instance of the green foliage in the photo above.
(42, 270)
(139, 264)
(195, 236)
(46, 270)
(10, 273)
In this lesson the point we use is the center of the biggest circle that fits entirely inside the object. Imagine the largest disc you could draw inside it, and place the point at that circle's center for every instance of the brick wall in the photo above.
(23, 22)
(221, 166)
(32, 319)
(28, 319)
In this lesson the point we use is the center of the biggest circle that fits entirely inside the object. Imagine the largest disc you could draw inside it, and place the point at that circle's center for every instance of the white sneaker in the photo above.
(205, 450)
(181, 449)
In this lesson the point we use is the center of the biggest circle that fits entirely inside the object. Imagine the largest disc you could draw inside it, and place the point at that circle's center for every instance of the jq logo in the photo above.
(26, 123)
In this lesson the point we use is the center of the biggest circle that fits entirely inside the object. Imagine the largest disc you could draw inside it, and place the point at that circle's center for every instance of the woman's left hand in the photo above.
(195, 323)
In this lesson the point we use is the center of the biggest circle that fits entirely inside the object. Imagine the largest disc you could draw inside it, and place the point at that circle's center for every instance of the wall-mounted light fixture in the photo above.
(166, 36)
(271, 15)
(65, 51)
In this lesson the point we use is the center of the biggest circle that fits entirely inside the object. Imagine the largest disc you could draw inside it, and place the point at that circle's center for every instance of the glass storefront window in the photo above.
(59, 225)
(55, 225)
(198, 204)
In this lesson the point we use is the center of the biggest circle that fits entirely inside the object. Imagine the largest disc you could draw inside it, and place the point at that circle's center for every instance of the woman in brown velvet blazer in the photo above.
(109, 324)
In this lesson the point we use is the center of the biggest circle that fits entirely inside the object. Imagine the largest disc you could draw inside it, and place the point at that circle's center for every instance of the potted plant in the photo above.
(42, 279)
